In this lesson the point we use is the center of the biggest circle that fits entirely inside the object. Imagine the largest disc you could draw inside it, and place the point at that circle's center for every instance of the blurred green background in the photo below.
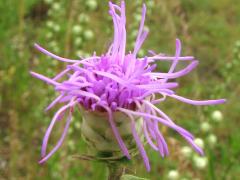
(209, 30)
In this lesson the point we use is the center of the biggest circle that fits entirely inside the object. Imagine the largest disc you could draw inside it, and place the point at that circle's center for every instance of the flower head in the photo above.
(121, 82)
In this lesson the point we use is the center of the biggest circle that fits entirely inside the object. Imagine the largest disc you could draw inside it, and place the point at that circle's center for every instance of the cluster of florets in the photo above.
(120, 81)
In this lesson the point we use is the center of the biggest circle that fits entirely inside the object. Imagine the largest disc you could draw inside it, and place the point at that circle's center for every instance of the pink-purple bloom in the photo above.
(120, 81)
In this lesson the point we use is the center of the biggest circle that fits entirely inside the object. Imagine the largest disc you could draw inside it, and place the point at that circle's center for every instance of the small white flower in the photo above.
(173, 174)
(217, 116)
(237, 43)
(77, 29)
(50, 12)
(78, 41)
(205, 127)
(200, 162)
(49, 35)
(150, 4)
(53, 44)
(56, 6)
(56, 49)
(134, 34)
(199, 142)
(49, 24)
(71, 144)
(56, 28)
(91, 4)
(88, 34)
(77, 125)
(137, 17)
(48, 1)
(70, 130)
(212, 139)
(138, 2)
(83, 18)
(186, 151)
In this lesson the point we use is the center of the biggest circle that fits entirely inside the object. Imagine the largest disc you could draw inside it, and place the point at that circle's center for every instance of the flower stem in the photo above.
(115, 171)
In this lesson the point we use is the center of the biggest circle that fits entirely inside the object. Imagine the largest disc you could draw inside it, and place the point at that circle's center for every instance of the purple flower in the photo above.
(120, 81)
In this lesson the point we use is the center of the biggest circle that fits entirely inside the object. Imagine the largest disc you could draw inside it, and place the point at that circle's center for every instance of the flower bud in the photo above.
(200, 162)
(48, 1)
(77, 125)
(137, 17)
(50, 24)
(98, 134)
(56, 6)
(217, 116)
(91, 5)
(56, 28)
(150, 4)
(49, 35)
(199, 142)
(77, 29)
(78, 41)
(173, 175)
(186, 151)
(88, 34)
(71, 144)
(212, 139)
(205, 127)
(83, 18)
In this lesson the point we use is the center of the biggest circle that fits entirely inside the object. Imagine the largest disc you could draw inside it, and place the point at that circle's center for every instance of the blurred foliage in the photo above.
(209, 30)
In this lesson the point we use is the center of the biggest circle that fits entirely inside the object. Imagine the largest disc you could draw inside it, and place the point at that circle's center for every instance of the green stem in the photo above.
(115, 171)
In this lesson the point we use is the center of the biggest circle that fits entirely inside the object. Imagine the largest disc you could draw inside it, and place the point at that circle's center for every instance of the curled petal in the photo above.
(49, 130)
(139, 144)
(59, 143)
(54, 102)
(198, 103)
(44, 78)
(44, 51)
(178, 74)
